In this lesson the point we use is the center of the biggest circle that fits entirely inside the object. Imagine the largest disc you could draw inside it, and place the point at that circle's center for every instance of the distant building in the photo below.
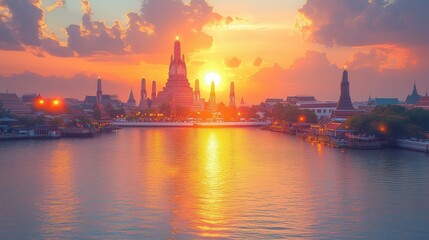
(131, 100)
(423, 103)
(29, 99)
(414, 97)
(345, 107)
(177, 91)
(321, 109)
(300, 99)
(273, 101)
(385, 101)
(199, 102)
(14, 105)
(104, 104)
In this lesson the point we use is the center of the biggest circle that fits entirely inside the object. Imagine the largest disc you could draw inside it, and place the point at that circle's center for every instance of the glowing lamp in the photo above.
(56, 102)
(41, 101)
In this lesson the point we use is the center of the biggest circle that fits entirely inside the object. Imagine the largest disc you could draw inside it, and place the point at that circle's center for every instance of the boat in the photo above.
(75, 132)
(414, 144)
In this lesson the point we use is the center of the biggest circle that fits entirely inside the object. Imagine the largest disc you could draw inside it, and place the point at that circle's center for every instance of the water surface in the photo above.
(174, 183)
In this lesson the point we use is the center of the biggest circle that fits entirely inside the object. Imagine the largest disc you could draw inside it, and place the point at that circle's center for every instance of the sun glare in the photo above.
(212, 76)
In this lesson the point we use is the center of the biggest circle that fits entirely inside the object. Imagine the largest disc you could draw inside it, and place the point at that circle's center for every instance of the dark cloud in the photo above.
(25, 20)
(7, 39)
(233, 62)
(257, 62)
(53, 47)
(364, 22)
(150, 31)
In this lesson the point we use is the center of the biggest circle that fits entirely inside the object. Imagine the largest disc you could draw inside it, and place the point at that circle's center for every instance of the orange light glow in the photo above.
(302, 119)
(56, 102)
(41, 101)
(383, 129)
(212, 76)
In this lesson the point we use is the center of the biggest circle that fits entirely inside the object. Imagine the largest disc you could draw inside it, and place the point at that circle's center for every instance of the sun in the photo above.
(212, 76)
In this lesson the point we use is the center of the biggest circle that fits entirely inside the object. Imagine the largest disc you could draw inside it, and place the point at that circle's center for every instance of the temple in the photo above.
(414, 97)
(212, 100)
(345, 107)
(143, 95)
(177, 89)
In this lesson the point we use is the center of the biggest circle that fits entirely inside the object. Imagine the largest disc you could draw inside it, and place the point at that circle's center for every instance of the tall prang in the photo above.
(197, 93)
(143, 95)
(212, 100)
(99, 92)
(232, 95)
(153, 90)
(177, 88)
(345, 102)
(131, 100)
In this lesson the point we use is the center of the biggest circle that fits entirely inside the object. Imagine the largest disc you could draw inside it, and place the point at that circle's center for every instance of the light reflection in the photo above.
(212, 198)
(60, 201)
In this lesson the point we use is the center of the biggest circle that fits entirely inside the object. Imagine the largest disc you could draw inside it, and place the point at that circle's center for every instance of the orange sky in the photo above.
(298, 52)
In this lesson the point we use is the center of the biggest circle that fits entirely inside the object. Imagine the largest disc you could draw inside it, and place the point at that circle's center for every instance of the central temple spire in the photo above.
(345, 102)
(177, 49)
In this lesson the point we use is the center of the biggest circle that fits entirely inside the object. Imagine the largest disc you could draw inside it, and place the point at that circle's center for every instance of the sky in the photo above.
(270, 48)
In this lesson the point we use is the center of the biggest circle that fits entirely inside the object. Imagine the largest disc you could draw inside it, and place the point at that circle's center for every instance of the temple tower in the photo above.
(99, 91)
(143, 95)
(197, 94)
(153, 90)
(212, 100)
(232, 95)
(131, 100)
(345, 102)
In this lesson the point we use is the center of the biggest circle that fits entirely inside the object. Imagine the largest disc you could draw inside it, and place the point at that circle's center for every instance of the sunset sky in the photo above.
(270, 48)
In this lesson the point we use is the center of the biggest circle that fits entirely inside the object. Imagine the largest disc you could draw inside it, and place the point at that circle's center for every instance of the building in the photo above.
(131, 100)
(423, 103)
(11, 103)
(101, 103)
(414, 97)
(385, 101)
(294, 100)
(321, 109)
(345, 107)
(177, 91)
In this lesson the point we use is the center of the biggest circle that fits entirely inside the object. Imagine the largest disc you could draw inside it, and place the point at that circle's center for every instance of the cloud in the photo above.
(153, 29)
(257, 62)
(55, 5)
(150, 31)
(363, 22)
(24, 22)
(233, 62)
(313, 74)
(94, 37)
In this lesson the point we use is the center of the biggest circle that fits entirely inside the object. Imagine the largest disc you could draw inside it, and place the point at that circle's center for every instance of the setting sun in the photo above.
(212, 76)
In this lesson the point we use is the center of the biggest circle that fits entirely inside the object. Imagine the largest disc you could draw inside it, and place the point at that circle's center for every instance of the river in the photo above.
(188, 183)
